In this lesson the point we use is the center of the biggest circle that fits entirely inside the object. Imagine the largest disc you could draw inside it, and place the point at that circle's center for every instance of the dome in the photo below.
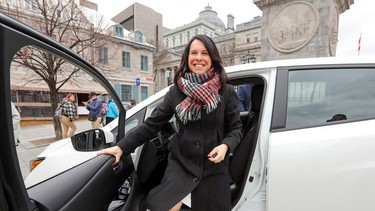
(211, 17)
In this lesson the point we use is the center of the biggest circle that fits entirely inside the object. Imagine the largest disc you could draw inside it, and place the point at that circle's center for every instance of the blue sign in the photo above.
(137, 81)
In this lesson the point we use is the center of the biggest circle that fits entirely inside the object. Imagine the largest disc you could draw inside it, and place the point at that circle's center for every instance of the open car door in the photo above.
(91, 185)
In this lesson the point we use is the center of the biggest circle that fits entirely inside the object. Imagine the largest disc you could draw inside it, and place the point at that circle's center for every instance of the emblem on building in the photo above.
(293, 27)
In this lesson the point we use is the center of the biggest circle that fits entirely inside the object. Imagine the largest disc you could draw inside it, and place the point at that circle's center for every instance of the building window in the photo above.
(196, 32)
(126, 92)
(167, 43)
(144, 92)
(138, 36)
(180, 39)
(173, 41)
(255, 37)
(144, 63)
(103, 56)
(119, 31)
(188, 36)
(125, 59)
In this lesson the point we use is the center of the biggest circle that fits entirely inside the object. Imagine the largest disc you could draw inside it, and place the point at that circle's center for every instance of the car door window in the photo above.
(39, 82)
(318, 97)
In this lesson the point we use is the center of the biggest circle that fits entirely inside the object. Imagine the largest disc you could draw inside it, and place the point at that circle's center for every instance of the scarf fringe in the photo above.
(186, 115)
(213, 104)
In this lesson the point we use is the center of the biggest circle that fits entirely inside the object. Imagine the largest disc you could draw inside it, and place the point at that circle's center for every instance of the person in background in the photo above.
(132, 104)
(112, 112)
(94, 106)
(244, 96)
(208, 116)
(69, 114)
(16, 118)
(103, 113)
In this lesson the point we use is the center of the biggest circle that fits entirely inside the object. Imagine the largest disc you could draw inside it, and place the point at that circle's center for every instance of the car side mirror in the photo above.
(91, 140)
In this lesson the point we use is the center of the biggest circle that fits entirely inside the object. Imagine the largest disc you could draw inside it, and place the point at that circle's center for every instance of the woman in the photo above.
(112, 111)
(68, 116)
(210, 128)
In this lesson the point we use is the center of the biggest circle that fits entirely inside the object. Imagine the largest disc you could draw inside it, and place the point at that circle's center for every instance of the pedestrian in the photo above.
(244, 96)
(16, 119)
(132, 104)
(207, 113)
(94, 106)
(112, 112)
(68, 116)
(103, 113)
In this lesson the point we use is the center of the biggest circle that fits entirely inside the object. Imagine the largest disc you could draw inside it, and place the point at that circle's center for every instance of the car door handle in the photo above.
(115, 166)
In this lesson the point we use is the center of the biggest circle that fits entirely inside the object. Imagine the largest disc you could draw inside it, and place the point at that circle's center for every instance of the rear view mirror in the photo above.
(91, 140)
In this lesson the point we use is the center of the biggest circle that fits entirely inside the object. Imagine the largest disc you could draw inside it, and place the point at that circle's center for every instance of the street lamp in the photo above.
(248, 58)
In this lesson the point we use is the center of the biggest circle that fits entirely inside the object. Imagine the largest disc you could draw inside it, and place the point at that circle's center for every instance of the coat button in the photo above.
(197, 144)
(195, 179)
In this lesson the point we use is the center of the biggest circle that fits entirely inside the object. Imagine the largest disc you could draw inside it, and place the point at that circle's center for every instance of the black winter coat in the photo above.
(189, 170)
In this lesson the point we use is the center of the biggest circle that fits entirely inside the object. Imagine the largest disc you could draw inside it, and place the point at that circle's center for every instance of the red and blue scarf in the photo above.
(201, 91)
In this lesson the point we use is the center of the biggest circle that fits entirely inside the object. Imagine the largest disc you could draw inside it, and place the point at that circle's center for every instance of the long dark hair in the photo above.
(212, 51)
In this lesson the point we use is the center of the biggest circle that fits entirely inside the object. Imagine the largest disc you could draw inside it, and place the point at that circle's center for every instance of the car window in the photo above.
(317, 97)
(132, 122)
(137, 118)
(39, 82)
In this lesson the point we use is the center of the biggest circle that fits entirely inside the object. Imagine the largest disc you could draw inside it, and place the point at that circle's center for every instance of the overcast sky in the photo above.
(358, 19)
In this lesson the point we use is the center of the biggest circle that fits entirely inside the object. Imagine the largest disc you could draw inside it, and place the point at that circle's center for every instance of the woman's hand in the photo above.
(115, 151)
(218, 153)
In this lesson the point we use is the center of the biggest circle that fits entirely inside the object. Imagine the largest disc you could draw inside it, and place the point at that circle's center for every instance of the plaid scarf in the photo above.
(202, 91)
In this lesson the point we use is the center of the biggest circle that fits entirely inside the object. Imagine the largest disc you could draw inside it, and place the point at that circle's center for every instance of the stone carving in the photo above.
(293, 26)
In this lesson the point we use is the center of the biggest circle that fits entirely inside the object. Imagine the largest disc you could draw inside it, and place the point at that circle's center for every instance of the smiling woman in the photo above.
(207, 113)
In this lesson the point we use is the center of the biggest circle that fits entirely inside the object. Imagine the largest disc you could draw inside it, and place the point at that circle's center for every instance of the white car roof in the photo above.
(300, 62)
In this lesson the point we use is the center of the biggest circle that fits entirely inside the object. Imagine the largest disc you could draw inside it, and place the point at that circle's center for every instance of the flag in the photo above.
(359, 43)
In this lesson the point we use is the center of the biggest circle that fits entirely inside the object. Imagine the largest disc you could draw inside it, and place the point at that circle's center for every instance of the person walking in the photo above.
(16, 119)
(112, 112)
(207, 112)
(68, 116)
(133, 102)
(94, 106)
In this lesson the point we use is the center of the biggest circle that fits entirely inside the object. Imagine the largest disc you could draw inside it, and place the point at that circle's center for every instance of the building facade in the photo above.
(236, 45)
(124, 57)
(143, 18)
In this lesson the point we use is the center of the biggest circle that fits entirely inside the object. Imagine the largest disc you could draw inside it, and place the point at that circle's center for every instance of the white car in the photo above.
(308, 141)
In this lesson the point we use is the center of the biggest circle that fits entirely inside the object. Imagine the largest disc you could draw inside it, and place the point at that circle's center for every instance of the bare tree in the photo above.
(67, 23)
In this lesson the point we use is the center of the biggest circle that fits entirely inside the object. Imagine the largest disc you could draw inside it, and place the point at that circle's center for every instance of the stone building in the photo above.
(236, 45)
(300, 28)
(143, 18)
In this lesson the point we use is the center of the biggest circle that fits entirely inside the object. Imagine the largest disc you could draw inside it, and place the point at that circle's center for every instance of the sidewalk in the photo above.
(29, 148)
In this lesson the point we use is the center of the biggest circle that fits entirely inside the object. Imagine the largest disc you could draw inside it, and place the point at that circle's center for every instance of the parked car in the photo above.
(308, 141)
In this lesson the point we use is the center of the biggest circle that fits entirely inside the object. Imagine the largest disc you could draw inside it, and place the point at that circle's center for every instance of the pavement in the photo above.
(31, 144)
